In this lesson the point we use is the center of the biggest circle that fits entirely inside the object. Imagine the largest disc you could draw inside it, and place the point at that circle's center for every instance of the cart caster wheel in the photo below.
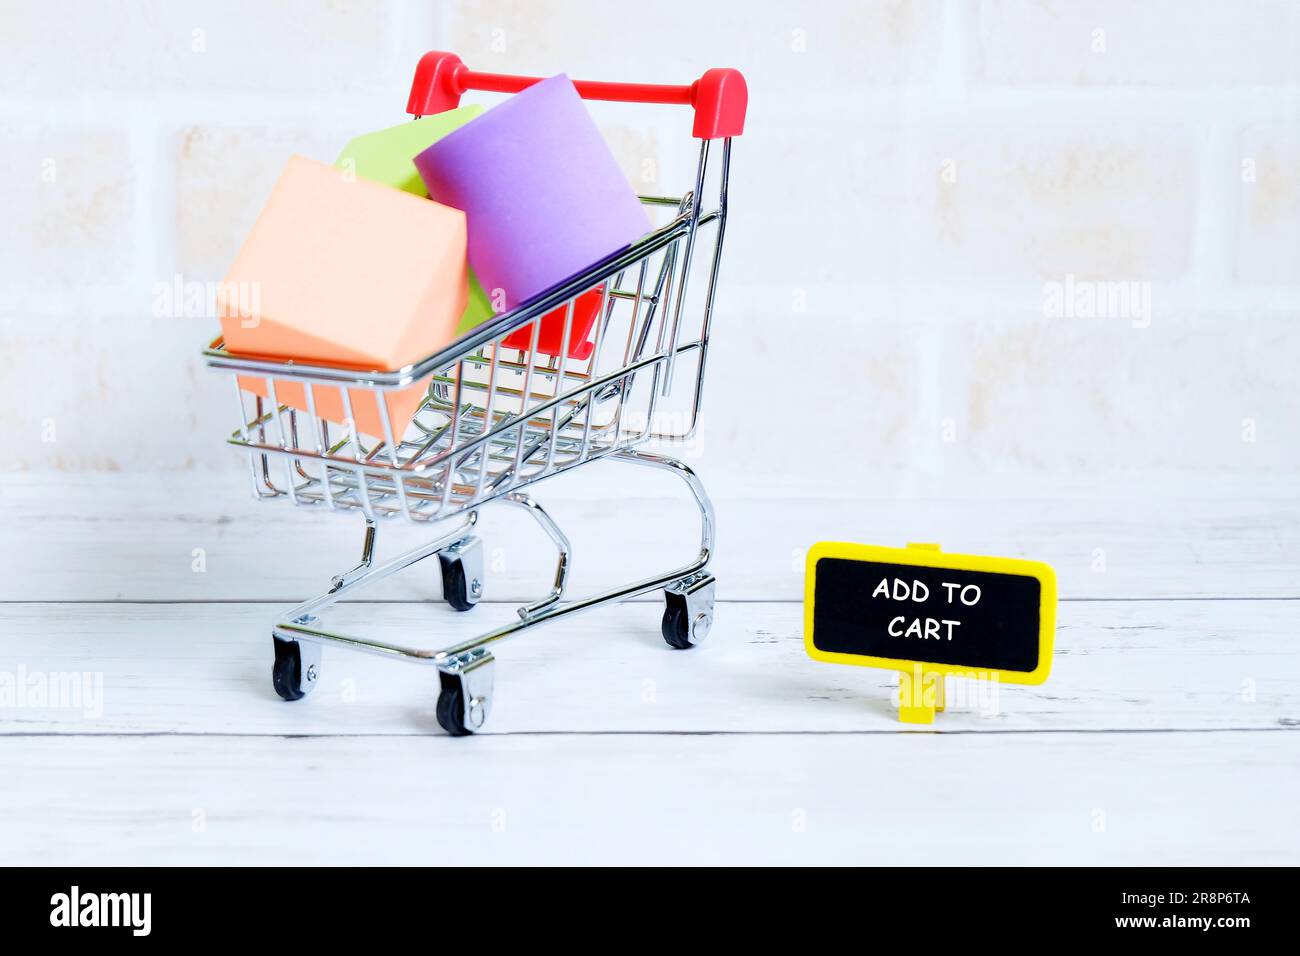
(462, 573)
(296, 668)
(451, 712)
(465, 697)
(688, 616)
(675, 629)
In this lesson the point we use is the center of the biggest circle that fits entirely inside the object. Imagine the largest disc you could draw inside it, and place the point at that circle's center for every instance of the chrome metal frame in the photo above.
(494, 421)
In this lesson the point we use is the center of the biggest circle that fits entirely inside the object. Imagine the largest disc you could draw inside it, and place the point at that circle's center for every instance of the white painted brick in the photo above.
(784, 48)
(1268, 222)
(1024, 199)
(838, 399)
(1076, 397)
(817, 226)
(67, 197)
(149, 45)
(1151, 43)
(222, 178)
(113, 394)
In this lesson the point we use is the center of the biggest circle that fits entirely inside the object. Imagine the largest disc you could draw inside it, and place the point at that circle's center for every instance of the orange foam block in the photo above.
(402, 404)
(349, 273)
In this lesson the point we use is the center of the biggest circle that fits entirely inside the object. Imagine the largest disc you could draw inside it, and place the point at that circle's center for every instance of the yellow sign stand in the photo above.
(920, 694)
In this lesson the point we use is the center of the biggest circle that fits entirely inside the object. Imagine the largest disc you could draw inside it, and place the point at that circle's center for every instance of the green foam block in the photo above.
(477, 306)
(385, 155)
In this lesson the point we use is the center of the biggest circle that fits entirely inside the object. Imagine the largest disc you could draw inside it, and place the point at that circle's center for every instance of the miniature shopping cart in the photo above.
(497, 420)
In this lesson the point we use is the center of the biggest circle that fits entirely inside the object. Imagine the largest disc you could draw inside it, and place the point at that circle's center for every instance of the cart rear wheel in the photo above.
(675, 628)
(454, 586)
(451, 711)
(688, 612)
(462, 573)
(286, 673)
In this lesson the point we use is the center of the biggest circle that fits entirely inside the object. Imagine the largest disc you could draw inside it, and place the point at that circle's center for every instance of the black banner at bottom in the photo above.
(335, 906)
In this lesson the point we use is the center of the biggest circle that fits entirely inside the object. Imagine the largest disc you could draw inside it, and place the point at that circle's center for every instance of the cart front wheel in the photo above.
(465, 694)
(289, 677)
(675, 628)
(451, 712)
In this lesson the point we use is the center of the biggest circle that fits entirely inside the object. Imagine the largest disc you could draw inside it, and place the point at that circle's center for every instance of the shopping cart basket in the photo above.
(497, 419)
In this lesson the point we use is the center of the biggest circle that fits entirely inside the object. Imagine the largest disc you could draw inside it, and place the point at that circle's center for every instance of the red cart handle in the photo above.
(719, 97)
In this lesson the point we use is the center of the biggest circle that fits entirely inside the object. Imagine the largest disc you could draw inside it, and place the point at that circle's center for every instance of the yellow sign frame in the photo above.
(930, 673)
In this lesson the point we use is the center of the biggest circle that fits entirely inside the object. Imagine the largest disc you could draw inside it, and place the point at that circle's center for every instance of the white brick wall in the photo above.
(913, 173)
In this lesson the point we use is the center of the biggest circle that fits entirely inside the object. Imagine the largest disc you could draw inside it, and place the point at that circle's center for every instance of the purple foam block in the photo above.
(542, 193)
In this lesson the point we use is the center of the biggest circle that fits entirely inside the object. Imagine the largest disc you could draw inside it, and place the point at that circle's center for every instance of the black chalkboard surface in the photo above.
(898, 607)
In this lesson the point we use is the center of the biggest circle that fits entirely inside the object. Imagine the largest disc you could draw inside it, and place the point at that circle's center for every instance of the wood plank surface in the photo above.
(1149, 798)
(178, 537)
(205, 668)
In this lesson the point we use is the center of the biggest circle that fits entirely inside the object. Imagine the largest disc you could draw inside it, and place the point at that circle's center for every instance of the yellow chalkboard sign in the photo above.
(928, 614)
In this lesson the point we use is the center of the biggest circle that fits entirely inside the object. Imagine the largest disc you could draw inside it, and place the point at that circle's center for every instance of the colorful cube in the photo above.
(349, 273)
(542, 192)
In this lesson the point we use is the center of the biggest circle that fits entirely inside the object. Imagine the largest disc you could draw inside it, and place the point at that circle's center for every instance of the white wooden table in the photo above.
(1167, 734)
